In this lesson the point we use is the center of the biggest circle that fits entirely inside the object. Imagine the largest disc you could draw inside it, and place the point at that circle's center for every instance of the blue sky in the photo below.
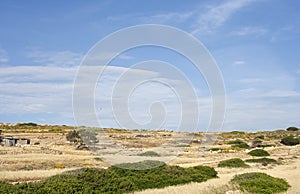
(254, 42)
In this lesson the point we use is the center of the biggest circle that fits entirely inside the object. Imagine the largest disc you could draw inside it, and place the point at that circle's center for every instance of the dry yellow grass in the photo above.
(32, 175)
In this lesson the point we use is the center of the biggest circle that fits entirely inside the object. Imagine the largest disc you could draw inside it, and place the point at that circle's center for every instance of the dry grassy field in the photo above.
(50, 153)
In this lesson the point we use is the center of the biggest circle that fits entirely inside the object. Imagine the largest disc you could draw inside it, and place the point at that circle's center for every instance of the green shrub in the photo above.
(183, 145)
(266, 145)
(114, 179)
(149, 153)
(290, 140)
(260, 137)
(215, 149)
(259, 152)
(147, 164)
(239, 143)
(256, 142)
(261, 160)
(233, 163)
(237, 132)
(260, 183)
(27, 124)
(73, 136)
(98, 159)
(292, 129)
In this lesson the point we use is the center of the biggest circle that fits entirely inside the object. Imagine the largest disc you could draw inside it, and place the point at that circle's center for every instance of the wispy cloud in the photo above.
(3, 56)
(251, 80)
(217, 15)
(36, 89)
(204, 18)
(172, 17)
(55, 58)
(251, 31)
(262, 109)
(239, 62)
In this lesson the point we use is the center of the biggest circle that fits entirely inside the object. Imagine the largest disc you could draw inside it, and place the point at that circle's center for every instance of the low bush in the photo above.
(258, 152)
(266, 145)
(239, 143)
(149, 153)
(290, 140)
(237, 132)
(114, 179)
(73, 136)
(233, 163)
(256, 142)
(262, 160)
(292, 129)
(147, 164)
(260, 137)
(183, 145)
(260, 183)
(215, 149)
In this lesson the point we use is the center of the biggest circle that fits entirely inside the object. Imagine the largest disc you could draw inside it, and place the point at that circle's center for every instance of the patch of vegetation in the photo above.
(262, 160)
(292, 129)
(233, 163)
(290, 140)
(260, 183)
(237, 132)
(266, 145)
(259, 152)
(149, 153)
(215, 149)
(34, 128)
(73, 136)
(147, 164)
(260, 137)
(256, 142)
(239, 143)
(183, 145)
(98, 159)
(27, 124)
(114, 180)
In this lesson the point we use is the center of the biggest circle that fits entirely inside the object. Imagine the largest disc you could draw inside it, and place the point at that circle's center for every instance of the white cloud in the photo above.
(263, 102)
(217, 15)
(48, 90)
(3, 56)
(140, 89)
(36, 89)
(262, 109)
(125, 57)
(239, 62)
(251, 31)
(54, 58)
(251, 80)
(172, 17)
(23, 74)
(204, 18)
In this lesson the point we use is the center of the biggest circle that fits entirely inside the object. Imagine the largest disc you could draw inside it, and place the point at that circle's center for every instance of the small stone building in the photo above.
(12, 141)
